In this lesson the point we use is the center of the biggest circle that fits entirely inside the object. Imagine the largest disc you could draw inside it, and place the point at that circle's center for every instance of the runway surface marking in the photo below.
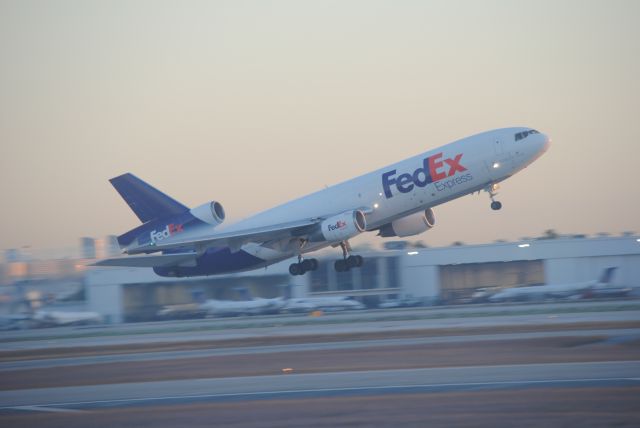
(69, 407)
(47, 408)
(327, 384)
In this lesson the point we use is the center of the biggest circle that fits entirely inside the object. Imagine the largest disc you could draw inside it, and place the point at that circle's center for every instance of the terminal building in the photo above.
(433, 275)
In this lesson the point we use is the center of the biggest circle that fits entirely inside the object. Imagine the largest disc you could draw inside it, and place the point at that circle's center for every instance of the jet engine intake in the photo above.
(210, 212)
(410, 225)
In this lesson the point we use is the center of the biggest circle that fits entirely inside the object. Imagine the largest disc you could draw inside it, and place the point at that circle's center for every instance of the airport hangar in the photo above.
(444, 274)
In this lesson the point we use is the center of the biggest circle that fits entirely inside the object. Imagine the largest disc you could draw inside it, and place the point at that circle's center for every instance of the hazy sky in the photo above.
(253, 103)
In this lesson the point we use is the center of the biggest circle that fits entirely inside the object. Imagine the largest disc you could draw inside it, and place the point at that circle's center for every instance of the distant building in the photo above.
(17, 270)
(106, 247)
(445, 274)
(49, 269)
(4, 277)
(12, 255)
(87, 248)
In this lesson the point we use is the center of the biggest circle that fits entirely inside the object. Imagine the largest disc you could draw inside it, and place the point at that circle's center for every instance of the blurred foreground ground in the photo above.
(513, 371)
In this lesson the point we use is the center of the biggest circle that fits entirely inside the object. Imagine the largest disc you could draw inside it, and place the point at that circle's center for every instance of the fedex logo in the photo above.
(433, 169)
(168, 231)
(339, 225)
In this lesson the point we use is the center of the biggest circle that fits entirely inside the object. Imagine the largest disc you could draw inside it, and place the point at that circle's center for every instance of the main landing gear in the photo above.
(348, 261)
(303, 266)
(492, 190)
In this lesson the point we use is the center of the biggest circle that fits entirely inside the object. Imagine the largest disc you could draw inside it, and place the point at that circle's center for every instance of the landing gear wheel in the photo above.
(295, 269)
(309, 265)
(303, 266)
(354, 261)
(348, 261)
(341, 266)
(496, 205)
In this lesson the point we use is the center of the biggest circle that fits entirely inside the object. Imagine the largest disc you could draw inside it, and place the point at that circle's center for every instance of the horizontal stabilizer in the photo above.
(160, 260)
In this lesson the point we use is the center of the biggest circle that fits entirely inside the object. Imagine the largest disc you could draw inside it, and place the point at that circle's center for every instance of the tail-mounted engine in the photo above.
(210, 213)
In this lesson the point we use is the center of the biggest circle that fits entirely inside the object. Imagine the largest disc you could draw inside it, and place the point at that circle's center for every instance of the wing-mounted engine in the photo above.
(340, 227)
(410, 225)
(210, 213)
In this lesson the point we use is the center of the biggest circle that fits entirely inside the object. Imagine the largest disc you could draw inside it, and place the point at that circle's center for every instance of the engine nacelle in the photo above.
(210, 212)
(410, 225)
(340, 227)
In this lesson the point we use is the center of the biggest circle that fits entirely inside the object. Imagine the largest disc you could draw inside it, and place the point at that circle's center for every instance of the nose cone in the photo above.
(547, 142)
(536, 145)
(541, 143)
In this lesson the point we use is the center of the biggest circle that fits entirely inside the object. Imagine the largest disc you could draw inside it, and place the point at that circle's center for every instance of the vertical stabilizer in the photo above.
(607, 275)
(147, 202)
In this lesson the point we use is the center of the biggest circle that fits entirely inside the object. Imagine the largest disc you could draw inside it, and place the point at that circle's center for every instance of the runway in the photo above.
(534, 364)
(611, 373)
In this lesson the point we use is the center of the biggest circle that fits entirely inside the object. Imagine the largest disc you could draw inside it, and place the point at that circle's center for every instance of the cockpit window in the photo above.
(524, 134)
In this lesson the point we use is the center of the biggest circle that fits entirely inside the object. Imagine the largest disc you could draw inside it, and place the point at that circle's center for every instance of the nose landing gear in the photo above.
(492, 190)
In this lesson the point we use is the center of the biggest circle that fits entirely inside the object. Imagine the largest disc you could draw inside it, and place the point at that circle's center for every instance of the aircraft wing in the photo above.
(158, 260)
(237, 238)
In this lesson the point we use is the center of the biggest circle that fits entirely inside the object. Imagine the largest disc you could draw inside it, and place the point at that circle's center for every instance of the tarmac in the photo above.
(512, 365)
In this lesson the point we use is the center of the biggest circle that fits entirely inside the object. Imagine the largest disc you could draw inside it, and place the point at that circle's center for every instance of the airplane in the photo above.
(202, 307)
(607, 289)
(403, 302)
(395, 201)
(262, 306)
(181, 311)
(14, 321)
(43, 318)
(554, 290)
(34, 316)
(325, 303)
(268, 306)
(289, 304)
(228, 308)
(298, 306)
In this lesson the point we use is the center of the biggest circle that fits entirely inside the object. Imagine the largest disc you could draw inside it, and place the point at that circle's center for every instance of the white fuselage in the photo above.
(380, 198)
(245, 307)
(487, 158)
(395, 201)
(327, 303)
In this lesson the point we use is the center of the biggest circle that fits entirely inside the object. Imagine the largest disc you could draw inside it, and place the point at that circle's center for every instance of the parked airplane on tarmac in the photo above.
(324, 303)
(557, 291)
(230, 308)
(43, 318)
(394, 201)
(288, 303)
